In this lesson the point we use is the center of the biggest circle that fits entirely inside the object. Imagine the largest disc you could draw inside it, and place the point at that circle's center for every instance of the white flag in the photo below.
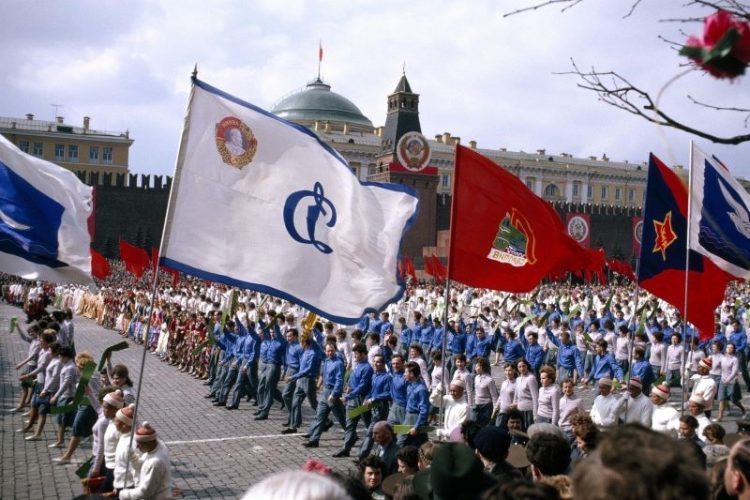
(719, 215)
(44, 210)
(262, 203)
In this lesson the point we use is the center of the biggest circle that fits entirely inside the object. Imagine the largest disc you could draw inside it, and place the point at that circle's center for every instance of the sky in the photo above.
(481, 76)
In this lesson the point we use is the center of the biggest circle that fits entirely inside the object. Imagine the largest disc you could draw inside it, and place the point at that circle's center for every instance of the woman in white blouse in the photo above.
(485, 392)
(548, 409)
(505, 399)
(527, 392)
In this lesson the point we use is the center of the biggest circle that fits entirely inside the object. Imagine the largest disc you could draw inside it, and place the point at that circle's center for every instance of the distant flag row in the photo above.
(262, 203)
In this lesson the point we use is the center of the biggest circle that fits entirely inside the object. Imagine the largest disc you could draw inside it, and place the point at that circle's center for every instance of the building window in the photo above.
(59, 151)
(39, 149)
(605, 193)
(23, 146)
(445, 181)
(551, 191)
(93, 154)
(72, 152)
(576, 189)
(589, 192)
(530, 183)
(631, 195)
(107, 155)
(618, 194)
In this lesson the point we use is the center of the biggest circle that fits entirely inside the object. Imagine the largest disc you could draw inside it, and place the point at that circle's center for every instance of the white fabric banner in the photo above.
(44, 210)
(261, 203)
(719, 215)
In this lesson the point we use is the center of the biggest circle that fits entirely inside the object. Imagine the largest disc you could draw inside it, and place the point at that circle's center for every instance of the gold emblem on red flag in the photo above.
(235, 142)
(665, 235)
(514, 243)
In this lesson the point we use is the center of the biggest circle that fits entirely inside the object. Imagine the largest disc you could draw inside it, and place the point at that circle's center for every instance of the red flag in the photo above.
(429, 268)
(662, 265)
(320, 51)
(136, 259)
(410, 267)
(99, 265)
(503, 236)
(441, 272)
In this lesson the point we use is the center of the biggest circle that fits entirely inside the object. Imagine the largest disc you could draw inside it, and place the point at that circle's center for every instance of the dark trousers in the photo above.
(245, 385)
(305, 389)
(267, 388)
(288, 394)
(325, 408)
(350, 431)
(229, 380)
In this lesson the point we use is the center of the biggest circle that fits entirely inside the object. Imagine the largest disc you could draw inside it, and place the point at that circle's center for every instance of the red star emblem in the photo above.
(665, 235)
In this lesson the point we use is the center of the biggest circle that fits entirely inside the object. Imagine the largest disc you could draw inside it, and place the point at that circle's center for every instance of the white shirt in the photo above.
(605, 409)
(155, 481)
(549, 403)
(125, 477)
(111, 438)
(705, 387)
(638, 410)
(455, 415)
(527, 392)
(665, 419)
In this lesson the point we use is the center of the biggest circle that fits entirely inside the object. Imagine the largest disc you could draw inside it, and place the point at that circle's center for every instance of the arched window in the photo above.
(552, 191)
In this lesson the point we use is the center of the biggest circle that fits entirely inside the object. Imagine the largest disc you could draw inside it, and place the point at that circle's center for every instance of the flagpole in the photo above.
(167, 224)
(683, 362)
(444, 361)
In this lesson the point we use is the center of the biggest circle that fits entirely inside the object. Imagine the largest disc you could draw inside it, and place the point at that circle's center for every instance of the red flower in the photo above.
(724, 49)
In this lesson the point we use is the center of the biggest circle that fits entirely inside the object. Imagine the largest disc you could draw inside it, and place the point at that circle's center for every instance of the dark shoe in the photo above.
(261, 417)
(231, 407)
(289, 431)
(341, 454)
(220, 403)
(311, 444)
(256, 413)
(209, 396)
(306, 436)
(282, 406)
(207, 383)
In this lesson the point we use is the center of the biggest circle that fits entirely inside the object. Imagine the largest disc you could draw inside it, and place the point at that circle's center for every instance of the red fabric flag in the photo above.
(99, 265)
(440, 270)
(662, 266)
(579, 228)
(135, 259)
(409, 267)
(503, 236)
(429, 268)
(320, 51)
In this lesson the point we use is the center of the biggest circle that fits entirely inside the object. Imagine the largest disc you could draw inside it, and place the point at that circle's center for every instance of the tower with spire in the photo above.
(402, 120)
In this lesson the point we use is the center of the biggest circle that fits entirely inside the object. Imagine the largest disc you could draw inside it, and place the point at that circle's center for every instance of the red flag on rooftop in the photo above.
(135, 259)
(99, 265)
(429, 268)
(503, 236)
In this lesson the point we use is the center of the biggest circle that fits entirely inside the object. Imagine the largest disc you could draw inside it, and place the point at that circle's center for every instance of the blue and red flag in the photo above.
(663, 252)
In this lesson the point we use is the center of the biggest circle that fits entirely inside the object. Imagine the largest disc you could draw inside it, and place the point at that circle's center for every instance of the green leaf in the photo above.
(83, 470)
(356, 412)
(723, 47)
(404, 429)
(113, 348)
(199, 348)
(79, 396)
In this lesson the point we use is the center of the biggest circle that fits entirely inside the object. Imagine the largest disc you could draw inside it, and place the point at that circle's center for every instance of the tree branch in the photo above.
(721, 108)
(615, 90)
(572, 3)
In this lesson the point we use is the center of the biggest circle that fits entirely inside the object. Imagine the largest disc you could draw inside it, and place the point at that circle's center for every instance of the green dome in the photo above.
(317, 103)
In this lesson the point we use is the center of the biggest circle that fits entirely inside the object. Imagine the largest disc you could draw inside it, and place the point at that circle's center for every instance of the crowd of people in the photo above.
(419, 378)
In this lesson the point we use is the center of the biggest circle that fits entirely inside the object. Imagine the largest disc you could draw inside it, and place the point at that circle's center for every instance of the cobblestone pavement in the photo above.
(215, 453)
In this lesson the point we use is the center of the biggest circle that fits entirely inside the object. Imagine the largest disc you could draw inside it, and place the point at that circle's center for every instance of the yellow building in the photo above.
(557, 177)
(80, 149)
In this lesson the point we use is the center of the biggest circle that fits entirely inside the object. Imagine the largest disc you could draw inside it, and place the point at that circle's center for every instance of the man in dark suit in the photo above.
(386, 446)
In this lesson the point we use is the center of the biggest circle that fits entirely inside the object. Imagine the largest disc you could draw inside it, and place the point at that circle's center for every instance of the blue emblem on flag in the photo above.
(320, 205)
(724, 228)
(29, 220)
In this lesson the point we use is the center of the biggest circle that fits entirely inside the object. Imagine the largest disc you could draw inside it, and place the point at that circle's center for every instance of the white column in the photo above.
(538, 186)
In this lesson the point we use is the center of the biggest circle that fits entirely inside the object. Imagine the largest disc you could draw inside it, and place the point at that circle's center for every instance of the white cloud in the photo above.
(481, 76)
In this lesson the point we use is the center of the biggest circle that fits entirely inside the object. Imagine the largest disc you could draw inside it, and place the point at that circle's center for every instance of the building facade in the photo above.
(88, 152)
